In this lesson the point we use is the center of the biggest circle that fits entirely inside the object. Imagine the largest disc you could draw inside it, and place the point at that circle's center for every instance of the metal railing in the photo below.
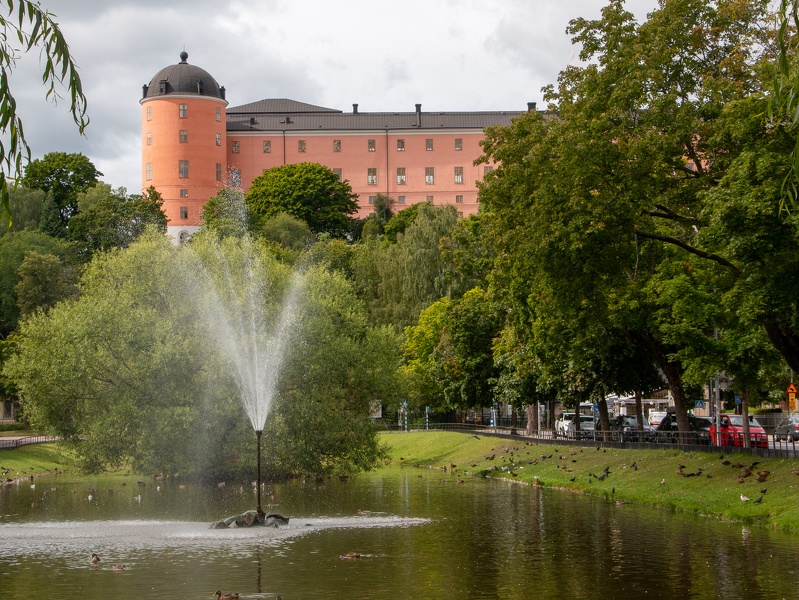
(16, 442)
(692, 440)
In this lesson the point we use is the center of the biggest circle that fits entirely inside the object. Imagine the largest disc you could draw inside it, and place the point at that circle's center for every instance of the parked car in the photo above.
(562, 422)
(586, 428)
(732, 432)
(668, 431)
(788, 429)
(625, 428)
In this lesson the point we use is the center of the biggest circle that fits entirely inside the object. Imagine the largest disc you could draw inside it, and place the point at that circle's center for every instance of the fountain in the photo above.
(236, 311)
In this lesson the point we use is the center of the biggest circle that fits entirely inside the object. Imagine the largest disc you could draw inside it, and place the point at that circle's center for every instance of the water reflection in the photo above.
(419, 535)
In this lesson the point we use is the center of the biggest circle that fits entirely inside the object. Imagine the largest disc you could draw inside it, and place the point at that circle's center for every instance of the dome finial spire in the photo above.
(183, 56)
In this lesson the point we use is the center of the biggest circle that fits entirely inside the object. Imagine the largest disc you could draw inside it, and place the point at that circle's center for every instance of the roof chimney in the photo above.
(418, 115)
(531, 107)
(222, 92)
(354, 109)
(144, 89)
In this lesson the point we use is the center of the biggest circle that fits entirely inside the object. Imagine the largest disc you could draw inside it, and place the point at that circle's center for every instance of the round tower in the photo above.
(183, 142)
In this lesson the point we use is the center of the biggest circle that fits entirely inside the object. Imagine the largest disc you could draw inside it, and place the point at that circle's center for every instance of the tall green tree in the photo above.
(308, 191)
(28, 24)
(107, 218)
(600, 210)
(64, 175)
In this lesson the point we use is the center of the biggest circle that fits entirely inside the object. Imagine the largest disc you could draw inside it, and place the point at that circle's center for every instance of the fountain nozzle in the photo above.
(259, 510)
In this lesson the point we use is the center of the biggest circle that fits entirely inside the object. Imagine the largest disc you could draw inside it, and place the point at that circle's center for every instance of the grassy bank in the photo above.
(694, 482)
(33, 460)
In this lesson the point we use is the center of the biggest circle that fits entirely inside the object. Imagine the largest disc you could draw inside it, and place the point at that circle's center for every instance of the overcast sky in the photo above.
(448, 55)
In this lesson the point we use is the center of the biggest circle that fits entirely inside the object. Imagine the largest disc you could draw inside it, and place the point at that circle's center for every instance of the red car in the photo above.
(732, 432)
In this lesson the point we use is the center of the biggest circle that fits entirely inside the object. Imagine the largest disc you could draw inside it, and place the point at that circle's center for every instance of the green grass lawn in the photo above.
(33, 459)
(651, 477)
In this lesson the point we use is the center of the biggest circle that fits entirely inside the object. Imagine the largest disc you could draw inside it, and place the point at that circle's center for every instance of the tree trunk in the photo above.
(745, 414)
(673, 372)
(639, 414)
(532, 419)
(786, 341)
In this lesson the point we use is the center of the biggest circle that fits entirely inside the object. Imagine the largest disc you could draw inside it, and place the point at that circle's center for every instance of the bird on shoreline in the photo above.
(94, 559)
(221, 596)
(744, 498)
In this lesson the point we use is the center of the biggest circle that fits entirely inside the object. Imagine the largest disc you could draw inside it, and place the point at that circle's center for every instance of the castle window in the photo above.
(459, 199)
(149, 139)
(219, 171)
(428, 199)
(218, 139)
(184, 193)
(183, 169)
(428, 144)
(400, 145)
(148, 171)
(458, 143)
(267, 146)
(400, 175)
(235, 147)
(184, 136)
(218, 114)
(184, 212)
(338, 172)
(149, 113)
(371, 144)
(183, 111)
(336, 145)
(400, 199)
(300, 145)
(487, 170)
(371, 176)
(429, 175)
(458, 174)
(235, 177)
(372, 199)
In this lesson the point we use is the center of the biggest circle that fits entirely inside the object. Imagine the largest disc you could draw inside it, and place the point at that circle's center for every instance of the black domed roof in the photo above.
(183, 78)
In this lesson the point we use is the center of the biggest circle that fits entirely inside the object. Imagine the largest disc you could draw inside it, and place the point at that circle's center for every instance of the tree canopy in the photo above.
(308, 191)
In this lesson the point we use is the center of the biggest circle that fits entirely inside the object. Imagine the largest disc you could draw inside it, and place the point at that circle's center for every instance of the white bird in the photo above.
(90, 497)
(662, 482)
(744, 498)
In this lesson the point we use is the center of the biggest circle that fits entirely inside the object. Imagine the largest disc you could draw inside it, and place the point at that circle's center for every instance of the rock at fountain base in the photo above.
(251, 518)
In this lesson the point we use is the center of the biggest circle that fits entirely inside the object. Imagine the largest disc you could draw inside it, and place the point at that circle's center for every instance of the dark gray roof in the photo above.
(183, 78)
(279, 105)
(264, 116)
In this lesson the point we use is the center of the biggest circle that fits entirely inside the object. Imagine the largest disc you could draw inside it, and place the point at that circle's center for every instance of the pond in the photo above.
(420, 533)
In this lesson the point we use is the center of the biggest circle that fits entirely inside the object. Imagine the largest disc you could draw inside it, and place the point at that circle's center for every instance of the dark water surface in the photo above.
(421, 533)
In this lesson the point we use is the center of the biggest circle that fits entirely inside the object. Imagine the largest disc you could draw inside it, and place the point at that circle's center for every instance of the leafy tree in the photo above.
(420, 365)
(289, 232)
(129, 371)
(598, 213)
(32, 26)
(109, 218)
(399, 222)
(308, 191)
(397, 281)
(65, 176)
(226, 213)
(14, 247)
(27, 208)
(43, 280)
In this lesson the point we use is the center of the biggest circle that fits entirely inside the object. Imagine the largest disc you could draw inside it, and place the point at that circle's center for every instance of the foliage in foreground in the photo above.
(129, 372)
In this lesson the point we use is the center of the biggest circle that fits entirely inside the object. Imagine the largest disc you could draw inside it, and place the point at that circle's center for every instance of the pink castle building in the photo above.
(193, 145)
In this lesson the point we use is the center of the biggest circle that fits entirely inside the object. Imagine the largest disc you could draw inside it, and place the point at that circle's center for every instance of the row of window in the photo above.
(183, 173)
(183, 112)
(183, 137)
(371, 145)
(401, 199)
